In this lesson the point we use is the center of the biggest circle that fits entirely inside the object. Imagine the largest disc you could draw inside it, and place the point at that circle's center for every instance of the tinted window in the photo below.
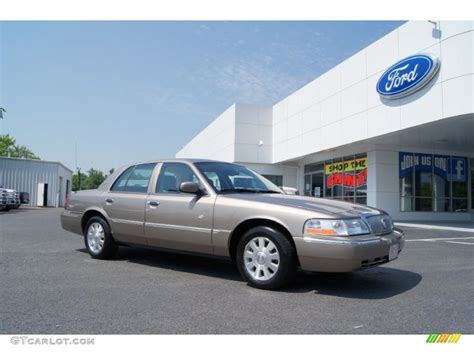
(139, 178)
(119, 184)
(172, 175)
(134, 179)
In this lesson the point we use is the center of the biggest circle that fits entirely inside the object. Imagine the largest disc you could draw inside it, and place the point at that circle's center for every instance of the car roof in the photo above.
(180, 160)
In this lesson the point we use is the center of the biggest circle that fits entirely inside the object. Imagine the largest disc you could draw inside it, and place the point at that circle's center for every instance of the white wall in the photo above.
(235, 136)
(342, 106)
(216, 141)
(253, 126)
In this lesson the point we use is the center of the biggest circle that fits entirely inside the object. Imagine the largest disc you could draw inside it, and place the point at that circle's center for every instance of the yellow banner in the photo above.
(348, 165)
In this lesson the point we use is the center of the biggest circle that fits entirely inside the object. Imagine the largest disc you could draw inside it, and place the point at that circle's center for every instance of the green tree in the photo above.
(78, 181)
(8, 145)
(91, 180)
(20, 151)
(95, 178)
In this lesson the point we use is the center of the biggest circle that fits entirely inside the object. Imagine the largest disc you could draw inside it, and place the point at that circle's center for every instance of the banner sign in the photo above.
(441, 164)
(458, 169)
(414, 161)
(345, 166)
(449, 168)
(347, 180)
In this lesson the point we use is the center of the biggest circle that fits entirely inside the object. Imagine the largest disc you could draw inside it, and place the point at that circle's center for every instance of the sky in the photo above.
(124, 92)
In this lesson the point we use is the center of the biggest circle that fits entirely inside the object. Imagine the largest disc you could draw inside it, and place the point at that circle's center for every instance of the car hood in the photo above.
(331, 208)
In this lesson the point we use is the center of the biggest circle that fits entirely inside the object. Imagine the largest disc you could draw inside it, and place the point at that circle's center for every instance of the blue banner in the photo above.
(441, 166)
(458, 169)
(406, 163)
(450, 168)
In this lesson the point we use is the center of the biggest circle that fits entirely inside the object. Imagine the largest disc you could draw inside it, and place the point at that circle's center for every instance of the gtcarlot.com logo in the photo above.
(31, 340)
(443, 338)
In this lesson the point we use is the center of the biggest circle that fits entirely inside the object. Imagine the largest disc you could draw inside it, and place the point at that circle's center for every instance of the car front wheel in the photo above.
(265, 258)
(98, 239)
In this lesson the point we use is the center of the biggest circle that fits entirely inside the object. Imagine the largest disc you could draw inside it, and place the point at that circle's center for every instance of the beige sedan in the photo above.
(226, 210)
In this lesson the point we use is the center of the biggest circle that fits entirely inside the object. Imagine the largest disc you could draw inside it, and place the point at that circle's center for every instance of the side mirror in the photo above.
(190, 187)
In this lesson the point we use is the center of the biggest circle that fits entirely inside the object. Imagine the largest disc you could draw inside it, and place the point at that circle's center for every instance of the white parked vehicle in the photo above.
(12, 198)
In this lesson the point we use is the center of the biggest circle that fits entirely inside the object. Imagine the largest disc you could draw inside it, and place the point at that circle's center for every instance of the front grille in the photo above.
(374, 262)
(381, 224)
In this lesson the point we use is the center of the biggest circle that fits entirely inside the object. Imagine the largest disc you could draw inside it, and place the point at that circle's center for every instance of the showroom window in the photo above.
(276, 179)
(433, 183)
(342, 178)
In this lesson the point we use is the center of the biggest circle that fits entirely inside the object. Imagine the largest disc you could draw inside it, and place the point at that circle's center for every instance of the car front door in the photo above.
(125, 204)
(177, 220)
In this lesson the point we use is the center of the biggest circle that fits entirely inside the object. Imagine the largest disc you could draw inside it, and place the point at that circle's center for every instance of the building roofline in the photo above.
(39, 161)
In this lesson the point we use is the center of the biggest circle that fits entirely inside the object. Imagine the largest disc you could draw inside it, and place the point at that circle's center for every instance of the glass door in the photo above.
(317, 184)
(314, 184)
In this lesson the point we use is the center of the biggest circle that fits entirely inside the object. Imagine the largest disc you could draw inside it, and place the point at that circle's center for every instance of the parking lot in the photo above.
(49, 284)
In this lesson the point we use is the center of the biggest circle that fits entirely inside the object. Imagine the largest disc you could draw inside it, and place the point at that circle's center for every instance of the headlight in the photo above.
(335, 227)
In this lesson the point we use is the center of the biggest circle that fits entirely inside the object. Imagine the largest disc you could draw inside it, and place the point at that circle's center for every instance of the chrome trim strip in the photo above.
(221, 231)
(342, 242)
(126, 221)
(173, 226)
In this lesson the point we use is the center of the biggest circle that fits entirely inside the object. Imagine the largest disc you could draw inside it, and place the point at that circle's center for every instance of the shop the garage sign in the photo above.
(407, 76)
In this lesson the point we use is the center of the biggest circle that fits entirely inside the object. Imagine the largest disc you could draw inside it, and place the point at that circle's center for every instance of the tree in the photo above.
(8, 147)
(6, 142)
(91, 180)
(20, 151)
(95, 178)
(78, 181)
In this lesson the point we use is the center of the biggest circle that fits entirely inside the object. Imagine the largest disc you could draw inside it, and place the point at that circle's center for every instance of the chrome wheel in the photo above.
(261, 258)
(95, 237)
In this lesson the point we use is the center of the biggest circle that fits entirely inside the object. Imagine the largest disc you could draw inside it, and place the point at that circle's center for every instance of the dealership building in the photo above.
(391, 127)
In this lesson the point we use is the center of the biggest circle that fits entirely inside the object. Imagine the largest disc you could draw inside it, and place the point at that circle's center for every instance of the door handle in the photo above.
(153, 204)
(109, 200)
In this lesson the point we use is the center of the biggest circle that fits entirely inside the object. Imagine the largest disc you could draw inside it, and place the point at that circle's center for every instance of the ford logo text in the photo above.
(407, 76)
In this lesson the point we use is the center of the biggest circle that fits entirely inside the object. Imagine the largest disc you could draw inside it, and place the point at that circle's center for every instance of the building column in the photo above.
(383, 182)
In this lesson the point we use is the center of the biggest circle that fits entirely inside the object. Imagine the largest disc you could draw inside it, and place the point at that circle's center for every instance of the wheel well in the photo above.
(240, 230)
(88, 215)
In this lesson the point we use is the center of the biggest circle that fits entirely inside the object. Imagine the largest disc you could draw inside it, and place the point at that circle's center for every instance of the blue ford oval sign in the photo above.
(407, 76)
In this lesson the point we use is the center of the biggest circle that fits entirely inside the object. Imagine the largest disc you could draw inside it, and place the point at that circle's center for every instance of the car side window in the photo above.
(171, 177)
(119, 184)
(134, 179)
(139, 178)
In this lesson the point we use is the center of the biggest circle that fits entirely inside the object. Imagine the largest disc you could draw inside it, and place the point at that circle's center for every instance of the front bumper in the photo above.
(345, 254)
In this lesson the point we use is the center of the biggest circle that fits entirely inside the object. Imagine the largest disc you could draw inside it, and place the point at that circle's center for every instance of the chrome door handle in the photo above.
(109, 200)
(153, 204)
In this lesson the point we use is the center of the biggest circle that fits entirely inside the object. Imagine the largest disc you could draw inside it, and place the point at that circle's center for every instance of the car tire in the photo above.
(266, 259)
(98, 239)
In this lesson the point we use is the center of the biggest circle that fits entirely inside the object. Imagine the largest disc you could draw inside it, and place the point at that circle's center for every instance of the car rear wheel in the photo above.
(265, 258)
(98, 239)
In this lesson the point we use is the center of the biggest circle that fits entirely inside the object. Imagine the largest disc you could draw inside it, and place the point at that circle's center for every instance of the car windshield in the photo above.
(232, 178)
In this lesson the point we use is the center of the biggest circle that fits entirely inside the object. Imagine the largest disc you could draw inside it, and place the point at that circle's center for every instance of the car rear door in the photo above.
(125, 203)
(177, 220)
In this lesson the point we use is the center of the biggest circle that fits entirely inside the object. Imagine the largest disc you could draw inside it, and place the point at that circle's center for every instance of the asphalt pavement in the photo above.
(49, 284)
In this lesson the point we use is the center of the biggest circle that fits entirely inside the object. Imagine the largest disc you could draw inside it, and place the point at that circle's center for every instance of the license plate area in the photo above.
(393, 252)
